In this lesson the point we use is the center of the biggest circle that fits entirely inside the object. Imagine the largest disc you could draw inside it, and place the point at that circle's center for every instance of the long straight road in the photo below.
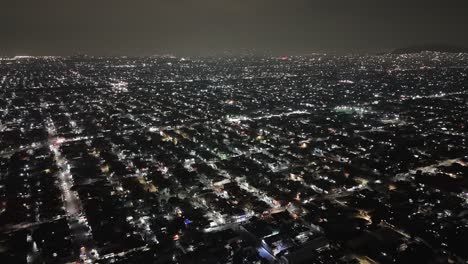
(82, 240)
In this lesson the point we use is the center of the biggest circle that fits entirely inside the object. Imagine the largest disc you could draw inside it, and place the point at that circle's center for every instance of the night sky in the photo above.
(145, 27)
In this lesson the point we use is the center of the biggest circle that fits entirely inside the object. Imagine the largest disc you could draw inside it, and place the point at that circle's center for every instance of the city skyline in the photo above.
(233, 132)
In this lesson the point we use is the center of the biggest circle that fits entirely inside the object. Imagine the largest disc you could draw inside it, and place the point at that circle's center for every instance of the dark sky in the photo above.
(142, 27)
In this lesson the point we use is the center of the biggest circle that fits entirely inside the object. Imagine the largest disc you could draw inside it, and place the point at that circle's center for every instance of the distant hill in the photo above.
(433, 48)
